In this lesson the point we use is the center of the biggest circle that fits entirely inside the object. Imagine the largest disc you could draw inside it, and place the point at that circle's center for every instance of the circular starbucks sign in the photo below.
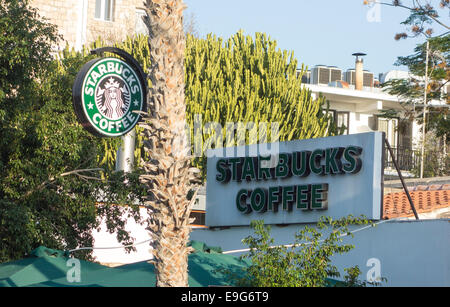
(107, 95)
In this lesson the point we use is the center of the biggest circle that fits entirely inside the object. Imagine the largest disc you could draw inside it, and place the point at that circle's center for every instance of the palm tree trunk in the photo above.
(167, 172)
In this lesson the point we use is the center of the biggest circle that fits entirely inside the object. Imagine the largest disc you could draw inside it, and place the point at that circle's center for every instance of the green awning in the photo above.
(43, 264)
(48, 268)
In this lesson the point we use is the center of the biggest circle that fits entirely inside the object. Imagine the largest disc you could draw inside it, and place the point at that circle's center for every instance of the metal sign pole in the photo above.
(401, 179)
(125, 153)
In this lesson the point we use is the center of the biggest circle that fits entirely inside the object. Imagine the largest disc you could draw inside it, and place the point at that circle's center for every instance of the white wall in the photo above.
(359, 122)
(410, 253)
(118, 256)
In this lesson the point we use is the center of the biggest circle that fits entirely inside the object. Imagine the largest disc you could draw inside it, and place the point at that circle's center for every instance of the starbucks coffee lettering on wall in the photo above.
(296, 182)
(108, 96)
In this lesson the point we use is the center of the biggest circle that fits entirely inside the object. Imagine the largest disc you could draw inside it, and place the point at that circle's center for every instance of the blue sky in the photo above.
(318, 31)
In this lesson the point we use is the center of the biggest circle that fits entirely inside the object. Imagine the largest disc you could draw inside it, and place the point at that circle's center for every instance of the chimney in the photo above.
(359, 72)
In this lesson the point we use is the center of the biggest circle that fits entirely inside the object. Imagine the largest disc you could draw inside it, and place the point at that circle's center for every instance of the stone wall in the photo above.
(62, 13)
(79, 26)
(123, 23)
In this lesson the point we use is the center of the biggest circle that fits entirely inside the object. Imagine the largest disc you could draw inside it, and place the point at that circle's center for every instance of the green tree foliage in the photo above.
(428, 19)
(306, 263)
(411, 91)
(21, 61)
(436, 162)
(51, 170)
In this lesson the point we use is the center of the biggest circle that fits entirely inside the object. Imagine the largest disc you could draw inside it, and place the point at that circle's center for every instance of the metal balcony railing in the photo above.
(407, 159)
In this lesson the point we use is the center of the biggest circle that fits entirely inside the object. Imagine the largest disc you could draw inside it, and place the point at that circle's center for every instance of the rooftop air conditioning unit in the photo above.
(335, 74)
(305, 77)
(322, 74)
(368, 78)
(350, 76)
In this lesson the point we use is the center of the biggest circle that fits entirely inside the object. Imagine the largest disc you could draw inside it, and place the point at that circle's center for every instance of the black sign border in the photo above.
(79, 80)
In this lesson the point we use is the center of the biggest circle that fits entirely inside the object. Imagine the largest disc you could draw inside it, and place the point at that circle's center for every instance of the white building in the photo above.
(356, 102)
(359, 110)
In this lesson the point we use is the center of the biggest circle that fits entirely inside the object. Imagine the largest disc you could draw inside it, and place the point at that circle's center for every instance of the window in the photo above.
(343, 120)
(390, 127)
(104, 9)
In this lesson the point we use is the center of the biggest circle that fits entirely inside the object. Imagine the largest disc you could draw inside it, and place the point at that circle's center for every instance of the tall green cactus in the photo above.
(248, 79)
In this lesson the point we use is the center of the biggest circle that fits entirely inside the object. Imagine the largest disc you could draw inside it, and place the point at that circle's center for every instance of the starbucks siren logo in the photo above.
(110, 97)
(107, 95)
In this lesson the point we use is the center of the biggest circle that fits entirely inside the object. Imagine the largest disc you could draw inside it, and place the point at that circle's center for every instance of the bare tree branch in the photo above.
(418, 7)
(77, 172)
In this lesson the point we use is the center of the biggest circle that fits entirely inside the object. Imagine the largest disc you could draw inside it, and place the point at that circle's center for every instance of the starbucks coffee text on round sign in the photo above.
(108, 95)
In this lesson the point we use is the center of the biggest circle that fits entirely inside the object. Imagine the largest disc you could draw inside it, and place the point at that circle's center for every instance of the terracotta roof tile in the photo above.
(397, 204)
(446, 186)
(432, 187)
